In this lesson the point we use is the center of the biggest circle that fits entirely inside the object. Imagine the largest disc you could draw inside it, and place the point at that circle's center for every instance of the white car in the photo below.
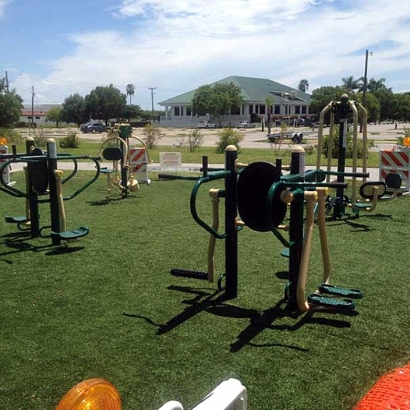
(206, 124)
(245, 124)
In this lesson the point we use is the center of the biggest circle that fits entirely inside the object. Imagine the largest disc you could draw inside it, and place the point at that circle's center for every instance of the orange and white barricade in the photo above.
(396, 161)
(138, 159)
(6, 171)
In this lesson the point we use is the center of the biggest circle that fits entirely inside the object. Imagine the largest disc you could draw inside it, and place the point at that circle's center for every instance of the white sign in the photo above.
(170, 159)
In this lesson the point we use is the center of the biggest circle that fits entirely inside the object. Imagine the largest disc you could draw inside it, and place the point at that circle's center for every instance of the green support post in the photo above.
(297, 167)
(343, 110)
(231, 240)
(54, 208)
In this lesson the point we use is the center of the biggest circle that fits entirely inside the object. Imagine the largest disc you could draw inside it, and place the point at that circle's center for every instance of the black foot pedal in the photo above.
(194, 274)
(337, 291)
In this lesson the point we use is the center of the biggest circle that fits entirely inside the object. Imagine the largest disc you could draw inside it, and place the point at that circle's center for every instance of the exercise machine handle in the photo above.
(210, 177)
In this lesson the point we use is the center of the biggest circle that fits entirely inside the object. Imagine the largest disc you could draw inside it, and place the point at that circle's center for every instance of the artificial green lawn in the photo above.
(106, 306)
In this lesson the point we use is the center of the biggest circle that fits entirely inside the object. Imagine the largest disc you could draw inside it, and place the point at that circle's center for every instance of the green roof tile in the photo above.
(253, 90)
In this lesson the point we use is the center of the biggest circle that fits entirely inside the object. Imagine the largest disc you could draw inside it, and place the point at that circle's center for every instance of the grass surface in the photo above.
(106, 306)
(247, 155)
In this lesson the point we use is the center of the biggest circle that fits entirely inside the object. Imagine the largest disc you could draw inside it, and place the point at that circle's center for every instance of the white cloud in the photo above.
(3, 4)
(177, 46)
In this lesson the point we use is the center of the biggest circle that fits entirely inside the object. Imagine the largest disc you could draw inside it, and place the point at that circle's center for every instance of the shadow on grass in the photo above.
(214, 303)
(17, 243)
(109, 200)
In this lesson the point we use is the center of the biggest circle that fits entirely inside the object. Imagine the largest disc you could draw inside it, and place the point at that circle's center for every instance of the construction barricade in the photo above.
(396, 161)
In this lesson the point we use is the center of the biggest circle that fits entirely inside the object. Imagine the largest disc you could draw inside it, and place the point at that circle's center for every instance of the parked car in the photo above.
(206, 124)
(245, 124)
(93, 126)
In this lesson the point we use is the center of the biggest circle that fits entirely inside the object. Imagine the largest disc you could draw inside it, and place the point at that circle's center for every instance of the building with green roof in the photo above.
(288, 102)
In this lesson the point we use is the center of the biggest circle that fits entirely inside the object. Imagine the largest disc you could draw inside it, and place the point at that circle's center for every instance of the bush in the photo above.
(195, 141)
(349, 145)
(151, 135)
(228, 136)
(70, 141)
(11, 136)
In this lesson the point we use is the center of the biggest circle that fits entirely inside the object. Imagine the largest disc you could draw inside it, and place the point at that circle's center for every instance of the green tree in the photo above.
(269, 101)
(73, 110)
(131, 111)
(402, 108)
(104, 103)
(323, 96)
(54, 115)
(217, 100)
(376, 85)
(350, 84)
(10, 107)
(130, 90)
(388, 104)
(303, 85)
(372, 107)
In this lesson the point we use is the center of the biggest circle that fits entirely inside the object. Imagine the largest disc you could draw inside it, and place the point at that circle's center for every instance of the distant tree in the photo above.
(350, 84)
(131, 111)
(104, 103)
(217, 100)
(11, 105)
(376, 85)
(54, 115)
(269, 101)
(323, 96)
(388, 104)
(73, 110)
(402, 108)
(303, 85)
(372, 106)
(130, 90)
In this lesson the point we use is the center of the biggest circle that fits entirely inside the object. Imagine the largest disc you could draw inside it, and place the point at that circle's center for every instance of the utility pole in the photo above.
(32, 106)
(7, 83)
(364, 85)
(152, 98)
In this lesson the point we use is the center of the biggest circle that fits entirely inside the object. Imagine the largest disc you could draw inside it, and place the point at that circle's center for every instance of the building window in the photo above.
(297, 109)
(188, 111)
(262, 109)
(176, 111)
(277, 109)
(37, 118)
(304, 111)
(250, 109)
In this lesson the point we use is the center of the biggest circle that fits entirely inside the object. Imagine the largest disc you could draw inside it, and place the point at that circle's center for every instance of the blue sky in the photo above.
(66, 47)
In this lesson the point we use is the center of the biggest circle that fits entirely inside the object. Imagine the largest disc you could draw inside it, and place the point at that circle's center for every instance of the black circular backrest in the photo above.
(38, 172)
(112, 154)
(254, 183)
(393, 180)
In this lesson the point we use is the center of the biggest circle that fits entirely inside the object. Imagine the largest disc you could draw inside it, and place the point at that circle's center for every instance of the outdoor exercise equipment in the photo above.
(44, 185)
(261, 195)
(372, 192)
(126, 161)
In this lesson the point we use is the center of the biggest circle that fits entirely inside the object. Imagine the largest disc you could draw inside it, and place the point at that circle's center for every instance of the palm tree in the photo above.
(350, 83)
(303, 85)
(130, 90)
(376, 85)
(269, 101)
